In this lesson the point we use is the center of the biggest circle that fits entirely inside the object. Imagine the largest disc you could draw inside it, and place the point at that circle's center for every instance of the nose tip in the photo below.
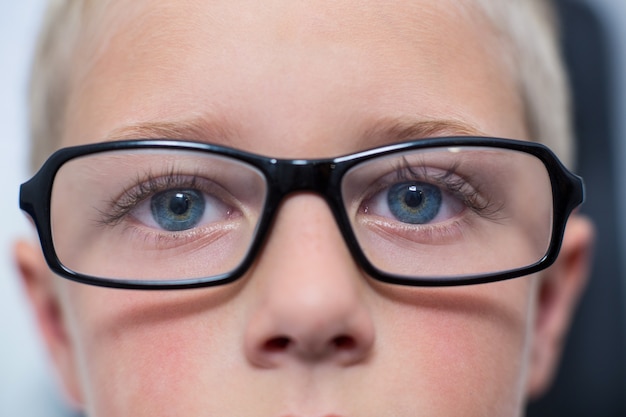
(342, 349)
(310, 339)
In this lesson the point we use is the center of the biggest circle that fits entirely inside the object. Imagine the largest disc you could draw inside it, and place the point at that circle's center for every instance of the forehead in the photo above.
(301, 61)
(397, 22)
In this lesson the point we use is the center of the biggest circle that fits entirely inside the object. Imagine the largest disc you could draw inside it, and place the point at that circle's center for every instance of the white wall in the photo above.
(27, 386)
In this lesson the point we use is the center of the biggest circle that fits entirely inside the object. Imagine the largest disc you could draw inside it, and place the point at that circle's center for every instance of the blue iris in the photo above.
(414, 202)
(177, 210)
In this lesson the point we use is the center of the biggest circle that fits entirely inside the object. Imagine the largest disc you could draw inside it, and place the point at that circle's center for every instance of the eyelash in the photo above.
(452, 182)
(449, 180)
(149, 186)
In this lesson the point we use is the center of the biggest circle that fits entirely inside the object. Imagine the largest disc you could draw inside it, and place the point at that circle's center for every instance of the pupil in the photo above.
(414, 197)
(179, 205)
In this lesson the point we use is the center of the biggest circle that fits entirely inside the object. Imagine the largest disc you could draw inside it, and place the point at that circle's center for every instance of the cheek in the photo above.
(179, 353)
(136, 351)
(466, 343)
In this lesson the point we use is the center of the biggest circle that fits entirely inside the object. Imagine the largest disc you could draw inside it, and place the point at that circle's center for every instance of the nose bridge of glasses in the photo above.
(299, 175)
(318, 176)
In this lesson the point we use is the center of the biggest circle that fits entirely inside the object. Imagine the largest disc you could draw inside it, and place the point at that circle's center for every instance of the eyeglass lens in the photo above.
(451, 212)
(178, 215)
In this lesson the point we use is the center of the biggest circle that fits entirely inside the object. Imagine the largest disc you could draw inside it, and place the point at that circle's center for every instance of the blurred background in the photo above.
(592, 378)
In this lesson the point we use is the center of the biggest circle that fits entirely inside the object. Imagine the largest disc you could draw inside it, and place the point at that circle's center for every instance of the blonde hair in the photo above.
(530, 40)
(49, 83)
(526, 32)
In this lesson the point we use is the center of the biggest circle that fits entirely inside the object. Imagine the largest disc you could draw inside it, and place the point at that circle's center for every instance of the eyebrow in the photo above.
(388, 131)
(381, 132)
(198, 129)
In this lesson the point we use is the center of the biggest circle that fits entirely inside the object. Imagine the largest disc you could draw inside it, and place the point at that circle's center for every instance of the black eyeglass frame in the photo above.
(287, 176)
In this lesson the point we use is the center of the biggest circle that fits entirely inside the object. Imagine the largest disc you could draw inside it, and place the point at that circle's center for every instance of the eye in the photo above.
(414, 202)
(179, 210)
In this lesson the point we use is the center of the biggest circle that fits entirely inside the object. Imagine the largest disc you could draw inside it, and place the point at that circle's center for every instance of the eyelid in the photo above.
(446, 174)
(404, 171)
(468, 190)
(131, 197)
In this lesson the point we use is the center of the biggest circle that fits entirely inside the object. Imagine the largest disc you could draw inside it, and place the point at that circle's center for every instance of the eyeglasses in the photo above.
(166, 214)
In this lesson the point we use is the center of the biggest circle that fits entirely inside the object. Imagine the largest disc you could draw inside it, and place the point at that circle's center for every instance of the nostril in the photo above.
(281, 343)
(344, 342)
(277, 344)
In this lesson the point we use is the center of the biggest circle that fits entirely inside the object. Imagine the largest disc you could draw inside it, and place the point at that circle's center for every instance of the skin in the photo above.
(305, 333)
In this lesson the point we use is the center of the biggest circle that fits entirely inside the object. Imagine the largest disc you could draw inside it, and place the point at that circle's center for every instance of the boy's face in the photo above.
(305, 333)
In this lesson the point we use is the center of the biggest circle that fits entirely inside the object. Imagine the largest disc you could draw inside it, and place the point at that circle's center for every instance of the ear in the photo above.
(560, 287)
(45, 299)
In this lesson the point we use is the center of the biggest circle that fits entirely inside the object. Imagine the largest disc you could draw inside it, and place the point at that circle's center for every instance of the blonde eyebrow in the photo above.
(400, 130)
(191, 129)
(382, 132)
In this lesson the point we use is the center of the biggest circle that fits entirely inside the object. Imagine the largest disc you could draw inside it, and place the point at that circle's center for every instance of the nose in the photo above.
(309, 297)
